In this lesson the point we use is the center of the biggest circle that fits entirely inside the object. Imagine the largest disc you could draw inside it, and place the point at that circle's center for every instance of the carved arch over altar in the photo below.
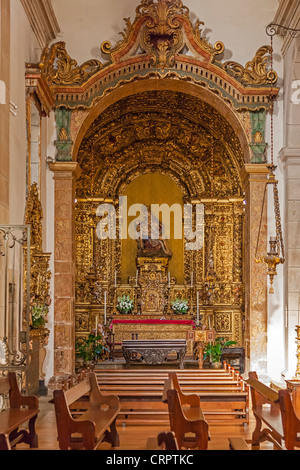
(152, 59)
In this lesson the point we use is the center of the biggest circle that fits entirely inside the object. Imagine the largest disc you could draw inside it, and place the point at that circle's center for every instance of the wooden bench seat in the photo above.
(266, 409)
(224, 394)
(189, 426)
(290, 421)
(238, 443)
(22, 410)
(92, 426)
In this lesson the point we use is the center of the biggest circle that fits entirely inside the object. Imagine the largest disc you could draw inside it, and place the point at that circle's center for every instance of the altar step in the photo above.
(224, 395)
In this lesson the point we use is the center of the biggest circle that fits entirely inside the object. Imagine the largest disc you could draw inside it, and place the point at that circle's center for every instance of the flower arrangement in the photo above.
(93, 347)
(180, 306)
(38, 315)
(125, 304)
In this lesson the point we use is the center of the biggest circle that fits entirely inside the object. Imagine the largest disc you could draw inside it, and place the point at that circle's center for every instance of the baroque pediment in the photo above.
(162, 42)
(161, 31)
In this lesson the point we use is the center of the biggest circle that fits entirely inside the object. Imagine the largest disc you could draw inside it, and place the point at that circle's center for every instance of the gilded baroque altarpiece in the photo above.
(164, 102)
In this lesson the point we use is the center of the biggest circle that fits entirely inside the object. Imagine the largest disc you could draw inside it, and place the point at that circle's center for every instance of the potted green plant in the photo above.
(91, 348)
(180, 307)
(214, 349)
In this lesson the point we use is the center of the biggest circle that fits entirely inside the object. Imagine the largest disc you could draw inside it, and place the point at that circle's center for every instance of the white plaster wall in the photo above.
(24, 48)
(49, 240)
(290, 156)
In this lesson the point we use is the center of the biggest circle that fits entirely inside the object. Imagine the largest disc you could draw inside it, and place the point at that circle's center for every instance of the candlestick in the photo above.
(192, 279)
(115, 279)
(198, 319)
(169, 280)
(136, 278)
(104, 308)
(298, 310)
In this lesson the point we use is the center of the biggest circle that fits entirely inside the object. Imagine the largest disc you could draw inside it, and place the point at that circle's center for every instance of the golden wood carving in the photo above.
(163, 41)
(255, 71)
(175, 140)
(60, 68)
(40, 274)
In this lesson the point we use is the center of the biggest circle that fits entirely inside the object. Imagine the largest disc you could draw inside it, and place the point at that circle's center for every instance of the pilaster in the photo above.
(290, 158)
(255, 178)
(65, 175)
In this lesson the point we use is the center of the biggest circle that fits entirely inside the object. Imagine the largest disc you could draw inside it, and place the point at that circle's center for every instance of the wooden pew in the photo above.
(190, 403)
(164, 441)
(95, 425)
(238, 443)
(290, 421)
(191, 399)
(224, 394)
(266, 409)
(22, 410)
(189, 426)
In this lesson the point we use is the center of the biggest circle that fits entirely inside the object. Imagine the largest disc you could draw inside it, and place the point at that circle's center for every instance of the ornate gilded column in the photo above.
(65, 175)
(256, 295)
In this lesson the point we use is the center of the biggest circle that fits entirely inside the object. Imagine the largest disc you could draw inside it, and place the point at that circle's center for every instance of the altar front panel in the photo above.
(149, 329)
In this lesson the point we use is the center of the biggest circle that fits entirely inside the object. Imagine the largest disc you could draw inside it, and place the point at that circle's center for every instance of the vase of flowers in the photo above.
(180, 307)
(125, 304)
(38, 315)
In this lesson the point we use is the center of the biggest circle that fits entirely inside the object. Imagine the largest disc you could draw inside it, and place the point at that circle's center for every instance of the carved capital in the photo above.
(65, 170)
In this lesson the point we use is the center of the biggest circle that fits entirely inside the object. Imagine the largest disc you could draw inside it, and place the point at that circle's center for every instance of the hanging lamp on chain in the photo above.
(275, 255)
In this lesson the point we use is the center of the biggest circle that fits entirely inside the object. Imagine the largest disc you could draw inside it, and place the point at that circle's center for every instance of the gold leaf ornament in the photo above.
(255, 72)
(61, 69)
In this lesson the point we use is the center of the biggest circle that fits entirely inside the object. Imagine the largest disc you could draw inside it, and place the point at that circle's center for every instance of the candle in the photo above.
(192, 276)
(198, 308)
(96, 324)
(104, 308)
(299, 310)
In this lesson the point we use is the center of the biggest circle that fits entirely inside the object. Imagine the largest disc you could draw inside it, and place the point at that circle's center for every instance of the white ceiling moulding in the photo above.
(42, 20)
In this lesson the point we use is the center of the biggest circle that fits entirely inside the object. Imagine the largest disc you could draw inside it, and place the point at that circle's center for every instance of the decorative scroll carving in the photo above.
(162, 37)
(40, 274)
(156, 42)
(255, 72)
(217, 49)
(61, 69)
(34, 216)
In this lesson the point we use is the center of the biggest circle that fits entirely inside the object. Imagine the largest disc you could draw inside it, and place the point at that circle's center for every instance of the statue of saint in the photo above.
(148, 246)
